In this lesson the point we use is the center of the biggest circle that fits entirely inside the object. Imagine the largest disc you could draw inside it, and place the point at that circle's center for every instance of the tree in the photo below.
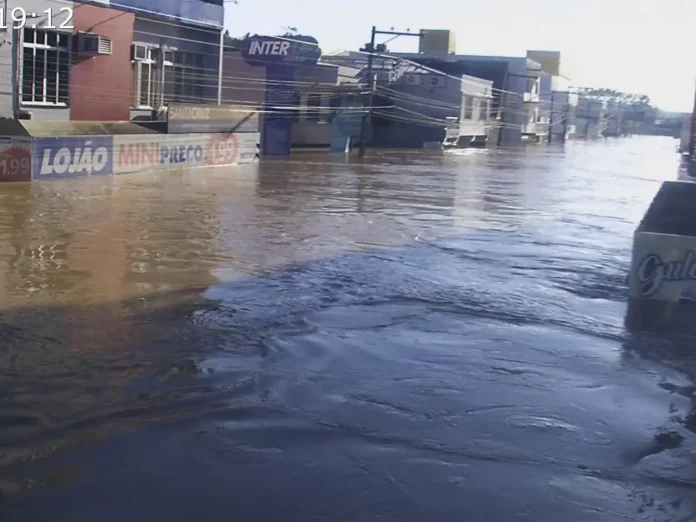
(233, 43)
(616, 97)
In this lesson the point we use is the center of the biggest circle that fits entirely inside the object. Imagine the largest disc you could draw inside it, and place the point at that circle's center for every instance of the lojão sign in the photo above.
(72, 156)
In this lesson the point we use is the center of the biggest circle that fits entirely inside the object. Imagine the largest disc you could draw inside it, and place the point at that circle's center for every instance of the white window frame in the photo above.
(156, 93)
(153, 86)
(61, 52)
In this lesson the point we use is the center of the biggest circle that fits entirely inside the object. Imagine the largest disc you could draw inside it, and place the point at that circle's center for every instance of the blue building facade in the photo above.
(512, 84)
(176, 52)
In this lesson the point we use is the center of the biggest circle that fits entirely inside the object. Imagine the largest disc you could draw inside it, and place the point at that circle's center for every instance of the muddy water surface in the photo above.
(421, 336)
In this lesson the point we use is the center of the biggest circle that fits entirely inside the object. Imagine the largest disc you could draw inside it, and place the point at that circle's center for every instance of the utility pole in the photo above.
(691, 167)
(162, 76)
(220, 67)
(370, 48)
(370, 97)
(502, 107)
(550, 119)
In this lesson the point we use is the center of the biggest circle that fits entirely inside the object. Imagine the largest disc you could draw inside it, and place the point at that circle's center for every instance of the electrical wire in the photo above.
(230, 83)
(300, 65)
(285, 38)
(393, 93)
(129, 8)
(381, 56)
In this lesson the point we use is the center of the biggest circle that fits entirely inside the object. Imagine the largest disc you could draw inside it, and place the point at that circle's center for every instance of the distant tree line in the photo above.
(617, 97)
(233, 43)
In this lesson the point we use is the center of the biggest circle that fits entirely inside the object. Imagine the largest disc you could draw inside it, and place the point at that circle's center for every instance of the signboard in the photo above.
(155, 152)
(663, 267)
(346, 125)
(72, 156)
(265, 51)
(279, 55)
(186, 119)
(412, 79)
(348, 119)
(15, 158)
(434, 81)
(209, 113)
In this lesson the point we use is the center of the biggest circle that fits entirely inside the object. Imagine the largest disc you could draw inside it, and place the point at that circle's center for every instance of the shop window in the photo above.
(177, 78)
(45, 67)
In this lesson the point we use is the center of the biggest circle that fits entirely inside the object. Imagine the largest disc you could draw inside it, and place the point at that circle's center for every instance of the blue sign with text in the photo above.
(280, 50)
(73, 156)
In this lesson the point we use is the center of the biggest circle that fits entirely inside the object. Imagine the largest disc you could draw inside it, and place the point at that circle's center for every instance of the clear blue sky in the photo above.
(643, 46)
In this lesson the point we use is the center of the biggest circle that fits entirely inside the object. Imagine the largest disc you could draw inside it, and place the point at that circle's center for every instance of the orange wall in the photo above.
(100, 86)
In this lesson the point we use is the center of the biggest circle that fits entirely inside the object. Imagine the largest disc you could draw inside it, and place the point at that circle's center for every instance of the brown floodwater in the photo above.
(421, 335)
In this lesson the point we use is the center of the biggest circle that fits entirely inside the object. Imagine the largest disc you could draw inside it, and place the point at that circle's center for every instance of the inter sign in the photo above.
(263, 48)
(268, 51)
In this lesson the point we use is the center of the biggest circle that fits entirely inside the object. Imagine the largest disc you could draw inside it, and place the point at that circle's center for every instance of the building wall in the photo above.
(545, 99)
(100, 86)
(242, 83)
(589, 116)
(59, 10)
(203, 13)
(506, 73)
(200, 86)
(561, 123)
(434, 97)
(482, 93)
(515, 114)
(154, 24)
(312, 127)
(551, 62)
(320, 73)
(245, 84)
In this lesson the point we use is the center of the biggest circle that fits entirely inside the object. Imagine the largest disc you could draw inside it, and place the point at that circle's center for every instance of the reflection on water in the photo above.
(428, 329)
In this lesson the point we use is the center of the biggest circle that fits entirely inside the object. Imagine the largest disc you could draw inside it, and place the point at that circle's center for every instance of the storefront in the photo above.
(106, 61)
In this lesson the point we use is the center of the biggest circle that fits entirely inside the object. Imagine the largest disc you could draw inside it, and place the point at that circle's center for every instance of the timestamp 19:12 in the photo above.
(20, 18)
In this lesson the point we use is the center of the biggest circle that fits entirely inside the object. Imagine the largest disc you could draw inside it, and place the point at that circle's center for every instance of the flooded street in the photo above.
(422, 337)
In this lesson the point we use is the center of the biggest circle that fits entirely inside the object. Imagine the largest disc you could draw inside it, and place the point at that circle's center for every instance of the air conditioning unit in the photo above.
(412, 79)
(138, 52)
(91, 44)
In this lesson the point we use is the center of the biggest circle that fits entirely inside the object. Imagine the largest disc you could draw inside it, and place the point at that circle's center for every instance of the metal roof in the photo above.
(380, 62)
